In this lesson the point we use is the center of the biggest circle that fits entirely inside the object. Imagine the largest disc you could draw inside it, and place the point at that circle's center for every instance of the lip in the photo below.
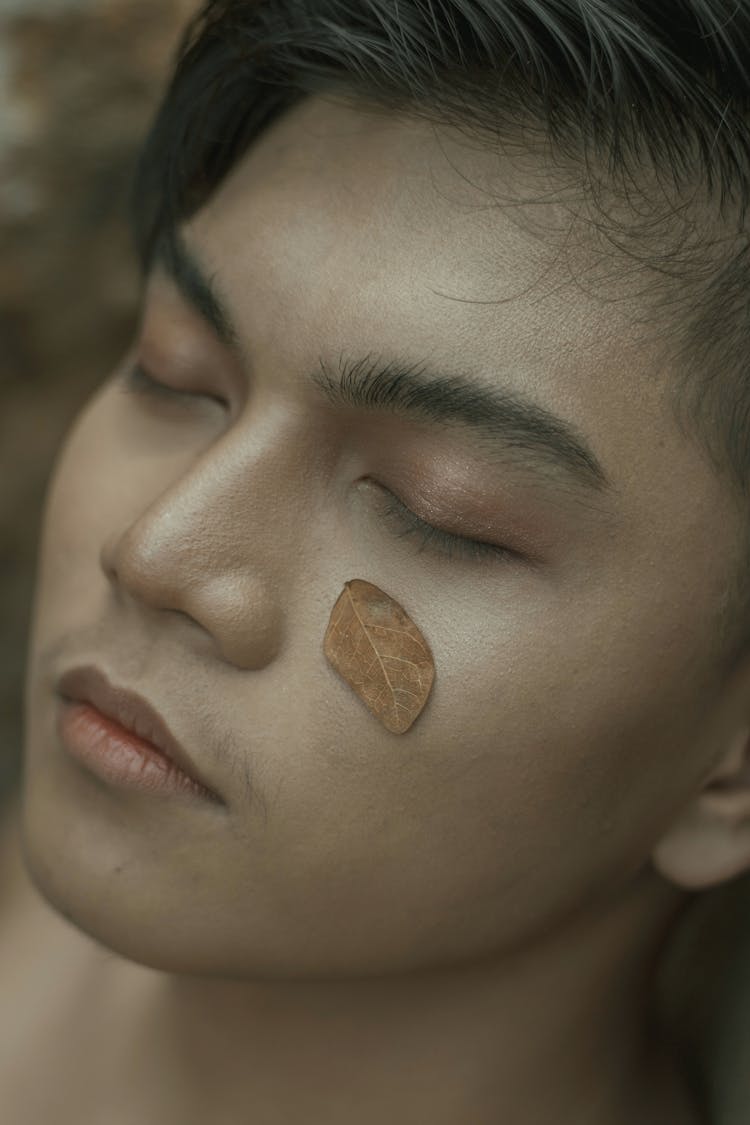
(131, 711)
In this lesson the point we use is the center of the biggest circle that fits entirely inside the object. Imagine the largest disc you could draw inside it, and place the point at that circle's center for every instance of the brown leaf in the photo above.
(375, 646)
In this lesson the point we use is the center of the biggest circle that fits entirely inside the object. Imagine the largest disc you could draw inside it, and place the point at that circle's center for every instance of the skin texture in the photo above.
(417, 927)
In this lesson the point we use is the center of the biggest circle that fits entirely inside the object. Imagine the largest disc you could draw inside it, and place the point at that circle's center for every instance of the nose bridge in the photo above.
(220, 541)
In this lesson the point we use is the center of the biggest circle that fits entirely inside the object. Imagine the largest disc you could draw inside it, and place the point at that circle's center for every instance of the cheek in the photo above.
(560, 740)
(580, 731)
(71, 522)
(108, 469)
(96, 482)
(527, 784)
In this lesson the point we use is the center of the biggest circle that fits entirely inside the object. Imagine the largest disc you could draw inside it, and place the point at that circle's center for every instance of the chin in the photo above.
(152, 913)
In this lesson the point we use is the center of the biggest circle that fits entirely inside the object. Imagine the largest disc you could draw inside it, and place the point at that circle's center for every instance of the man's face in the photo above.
(194, 548)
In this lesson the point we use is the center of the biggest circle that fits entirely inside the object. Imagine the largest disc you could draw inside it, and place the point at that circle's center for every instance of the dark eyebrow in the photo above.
(501, 417)
(197, 288)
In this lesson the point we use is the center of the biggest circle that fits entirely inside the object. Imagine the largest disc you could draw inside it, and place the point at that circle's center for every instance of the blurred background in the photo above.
(79, 82)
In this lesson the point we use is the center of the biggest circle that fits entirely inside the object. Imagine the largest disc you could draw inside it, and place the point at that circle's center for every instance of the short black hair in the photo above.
(614, 85)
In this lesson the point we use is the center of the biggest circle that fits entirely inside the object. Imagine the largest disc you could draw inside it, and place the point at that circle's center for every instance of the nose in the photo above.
(215, 545)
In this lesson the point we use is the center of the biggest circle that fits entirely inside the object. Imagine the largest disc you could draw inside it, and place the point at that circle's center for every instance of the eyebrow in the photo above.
(504, 419)
(196, 286)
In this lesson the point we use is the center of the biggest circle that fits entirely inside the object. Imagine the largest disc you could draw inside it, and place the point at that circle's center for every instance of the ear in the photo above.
(709, 842)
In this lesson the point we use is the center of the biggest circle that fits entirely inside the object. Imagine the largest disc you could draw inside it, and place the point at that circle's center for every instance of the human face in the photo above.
(194, 546)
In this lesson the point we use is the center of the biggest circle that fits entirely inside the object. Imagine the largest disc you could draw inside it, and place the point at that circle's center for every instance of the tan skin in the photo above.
(457, 924)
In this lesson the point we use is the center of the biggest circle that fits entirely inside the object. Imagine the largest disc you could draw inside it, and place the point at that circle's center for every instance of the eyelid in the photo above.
(137, 379)
(443, 542)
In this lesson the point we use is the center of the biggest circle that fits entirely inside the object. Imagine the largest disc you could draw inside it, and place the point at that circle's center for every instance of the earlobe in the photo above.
(709, 843)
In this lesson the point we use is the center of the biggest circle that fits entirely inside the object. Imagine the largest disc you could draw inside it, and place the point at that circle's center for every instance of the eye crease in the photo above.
(137, 380)
(433, 539)
(405, 522)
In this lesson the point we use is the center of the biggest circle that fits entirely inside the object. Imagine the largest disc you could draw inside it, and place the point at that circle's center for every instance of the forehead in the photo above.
(391, 232)
(351, 230)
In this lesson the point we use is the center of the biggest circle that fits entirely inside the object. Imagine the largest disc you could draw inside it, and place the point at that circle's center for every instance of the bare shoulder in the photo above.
(705, 996)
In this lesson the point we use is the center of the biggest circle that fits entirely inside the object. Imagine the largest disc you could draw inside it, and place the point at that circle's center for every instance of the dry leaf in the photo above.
(373, 643)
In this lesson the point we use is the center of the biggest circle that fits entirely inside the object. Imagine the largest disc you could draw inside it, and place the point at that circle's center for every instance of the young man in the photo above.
(418, 511)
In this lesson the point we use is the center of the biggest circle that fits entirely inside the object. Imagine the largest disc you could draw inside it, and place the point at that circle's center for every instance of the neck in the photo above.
(561, 1031)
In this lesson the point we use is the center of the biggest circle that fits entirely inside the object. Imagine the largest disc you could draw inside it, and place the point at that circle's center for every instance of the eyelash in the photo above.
(138, 381)
(434, 540)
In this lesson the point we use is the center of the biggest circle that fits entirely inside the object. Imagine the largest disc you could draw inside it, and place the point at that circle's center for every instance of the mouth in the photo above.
(122, 737)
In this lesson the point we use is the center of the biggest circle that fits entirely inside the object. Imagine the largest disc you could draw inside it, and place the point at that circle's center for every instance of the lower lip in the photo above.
(119, 757)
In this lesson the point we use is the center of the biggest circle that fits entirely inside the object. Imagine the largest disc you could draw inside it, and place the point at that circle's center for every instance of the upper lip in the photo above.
(89, 685)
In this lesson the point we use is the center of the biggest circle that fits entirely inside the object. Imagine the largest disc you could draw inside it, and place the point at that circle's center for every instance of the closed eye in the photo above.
(434, 539)
(137, 380)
